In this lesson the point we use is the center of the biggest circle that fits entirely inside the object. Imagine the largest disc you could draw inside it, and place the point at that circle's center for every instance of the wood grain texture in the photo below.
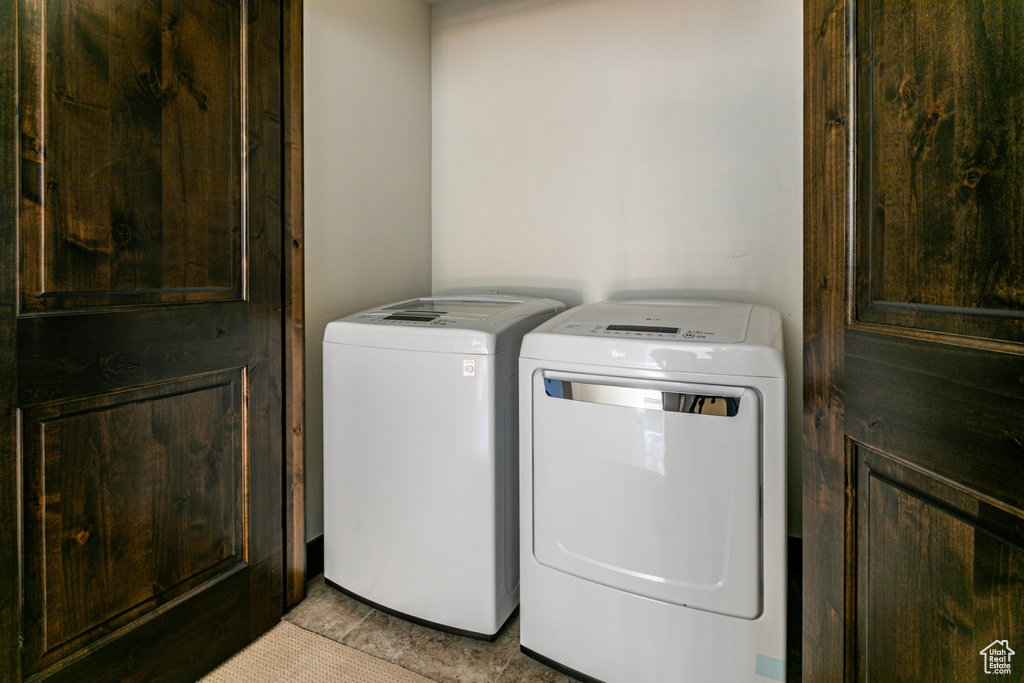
(186, 639)
(941, 575)
(956, 411)
(192, 582)
(10, 590)
(129, 129)
(941, 163)
(265, 152)
(914, 435)
(826, 139)
(294, 311)
(130, 500)
(69, 356)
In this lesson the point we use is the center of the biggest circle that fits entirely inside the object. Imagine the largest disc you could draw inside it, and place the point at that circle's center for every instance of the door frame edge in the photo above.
(828, 129)
(10, 458)
(294, 308)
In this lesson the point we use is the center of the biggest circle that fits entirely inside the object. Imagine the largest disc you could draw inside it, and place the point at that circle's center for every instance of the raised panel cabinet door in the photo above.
(940, 212)
(131, 152)
(144, 281)
(914, 288)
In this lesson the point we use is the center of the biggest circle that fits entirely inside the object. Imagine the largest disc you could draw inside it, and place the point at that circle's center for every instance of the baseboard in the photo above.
(315, 557)
(795, 554)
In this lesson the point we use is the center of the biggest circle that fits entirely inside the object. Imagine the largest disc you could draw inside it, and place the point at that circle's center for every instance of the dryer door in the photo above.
(650, 487)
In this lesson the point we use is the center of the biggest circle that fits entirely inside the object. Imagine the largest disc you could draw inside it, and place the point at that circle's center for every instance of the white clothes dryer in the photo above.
(653, 492)
(421, 457)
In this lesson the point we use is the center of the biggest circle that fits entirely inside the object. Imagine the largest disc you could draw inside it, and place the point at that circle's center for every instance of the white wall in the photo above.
(367, 177)
(593, 149)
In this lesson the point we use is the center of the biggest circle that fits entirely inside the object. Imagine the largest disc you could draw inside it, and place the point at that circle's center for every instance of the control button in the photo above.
(689, 334)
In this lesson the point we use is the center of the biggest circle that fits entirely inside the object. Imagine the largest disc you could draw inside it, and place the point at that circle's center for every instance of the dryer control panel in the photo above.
(659, 321)
(654, 331)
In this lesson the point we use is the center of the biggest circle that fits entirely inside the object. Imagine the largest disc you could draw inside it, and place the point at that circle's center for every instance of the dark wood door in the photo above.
(141, 283)
(914, 353)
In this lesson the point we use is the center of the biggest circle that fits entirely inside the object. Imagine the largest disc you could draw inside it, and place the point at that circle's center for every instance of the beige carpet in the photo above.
(289, 653)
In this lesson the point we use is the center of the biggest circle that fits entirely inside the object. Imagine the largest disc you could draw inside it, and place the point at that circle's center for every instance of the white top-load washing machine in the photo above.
(421, 457)
(653, 480)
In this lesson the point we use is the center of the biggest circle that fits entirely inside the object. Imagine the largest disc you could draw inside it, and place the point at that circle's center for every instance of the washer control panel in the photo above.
(415, 319)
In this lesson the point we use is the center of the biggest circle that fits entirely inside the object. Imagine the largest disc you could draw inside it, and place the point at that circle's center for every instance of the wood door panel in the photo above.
(144, 341)
(178, 642)
(110, 534)
(914, 324)
(957, 411)
(131, 141)
(941, 162)
(941, 575)
(73, 356)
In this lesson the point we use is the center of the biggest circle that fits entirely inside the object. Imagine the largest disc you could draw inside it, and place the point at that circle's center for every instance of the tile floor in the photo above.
(448, 658)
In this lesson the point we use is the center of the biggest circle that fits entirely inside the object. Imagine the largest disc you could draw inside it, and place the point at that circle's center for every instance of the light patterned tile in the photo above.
(444, 657)
(440, 656)
(327, 611)
(522, 669)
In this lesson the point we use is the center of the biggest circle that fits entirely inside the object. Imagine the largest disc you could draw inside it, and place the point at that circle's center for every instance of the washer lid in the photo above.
(465, 324)
(669, 335)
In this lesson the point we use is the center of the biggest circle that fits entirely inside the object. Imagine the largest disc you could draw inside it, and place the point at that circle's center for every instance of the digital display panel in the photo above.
(643, 328)
(419, 318)
(453, 306)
